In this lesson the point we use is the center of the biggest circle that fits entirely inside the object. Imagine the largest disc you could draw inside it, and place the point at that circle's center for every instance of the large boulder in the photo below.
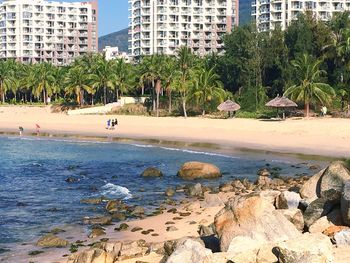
(51, 240)
(211, 200)
(310, 191)
(333, 180)
(342, 238)
(294, 216)
(331, 219)
(315, 248)
(254, 217)
(195, 190)
(133, 249)
(318, 208)
(94, 255)
(198, 170)
(190, 251)
(345, 203)
(152, 172)
(288, 200)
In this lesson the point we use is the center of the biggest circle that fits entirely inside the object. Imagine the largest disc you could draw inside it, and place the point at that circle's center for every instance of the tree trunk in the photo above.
(153, 100)
(117, 91)
(203, 112)
(105, 95)
(44, 97)
(170, 106)
(307, 109)
(3, 97)
(184, 107)
(143, 90)
(92, 99)
(158, 89)
(349, 103)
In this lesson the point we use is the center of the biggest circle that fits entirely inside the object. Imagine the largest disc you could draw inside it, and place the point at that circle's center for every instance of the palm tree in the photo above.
(185, 64)
(309, 86)
(169, 74)
(207, 88)
(103, 76)
(151, 72)
(77, 81)
(43, 78)
(6, 77)
(125, 77)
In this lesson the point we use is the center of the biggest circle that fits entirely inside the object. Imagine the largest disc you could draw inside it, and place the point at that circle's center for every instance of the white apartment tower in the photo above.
(269, 14)
(162, 26)
(33, 31)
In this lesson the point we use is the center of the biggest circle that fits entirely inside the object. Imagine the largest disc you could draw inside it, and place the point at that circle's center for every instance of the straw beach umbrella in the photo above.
(229, 106)
(281, 102)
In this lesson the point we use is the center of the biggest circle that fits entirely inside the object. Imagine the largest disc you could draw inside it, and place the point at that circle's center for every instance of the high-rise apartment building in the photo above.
(269, 14)
(34, 31)
(162, 26)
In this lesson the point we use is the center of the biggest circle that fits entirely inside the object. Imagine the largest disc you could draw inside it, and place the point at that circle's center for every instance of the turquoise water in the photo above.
(35, 197)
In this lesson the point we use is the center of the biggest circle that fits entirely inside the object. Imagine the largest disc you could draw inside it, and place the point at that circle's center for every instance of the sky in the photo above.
(113, 15)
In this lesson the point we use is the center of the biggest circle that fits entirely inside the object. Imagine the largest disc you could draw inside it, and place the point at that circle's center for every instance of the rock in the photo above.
(170, 192)
(315, 248)
(288, 200)
(254, 217)
(205, 231)
(102, 220)
(211, 200)
(112, 247)
(95, 255)
(171, 229)
(51, 240)
(334, 179)
(190, 251)
(72, 180)
(263, 181)
(331, 219)
(227, 187)
(332, 230)
(342, 238)
(113, 205)
(133, 249)
(152, 172)
(237, 185)
(270, 195)
(92, 201)
(119, 216)
(195, 190)
(137, 211)
(198, 170)
(122, 227)
(96, 232)
(345, 203)
(264, 172)
(294, 216)
(171, 245)
(195, 206)
(310, 191)
(318, 208)
(245, 250)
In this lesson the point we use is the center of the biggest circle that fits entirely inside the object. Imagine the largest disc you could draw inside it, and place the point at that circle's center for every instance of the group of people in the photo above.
(111, 124)
(37, 128)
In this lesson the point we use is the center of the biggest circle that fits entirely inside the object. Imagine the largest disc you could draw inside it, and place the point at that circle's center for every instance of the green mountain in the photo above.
(116, 39)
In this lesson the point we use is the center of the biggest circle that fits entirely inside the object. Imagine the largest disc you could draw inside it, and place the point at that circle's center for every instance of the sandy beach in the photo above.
(314, 136)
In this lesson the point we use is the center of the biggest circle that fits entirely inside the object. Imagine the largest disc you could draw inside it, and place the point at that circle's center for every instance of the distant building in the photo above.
(269, 14)
(113, 53)
(162, 26)
(34, 31)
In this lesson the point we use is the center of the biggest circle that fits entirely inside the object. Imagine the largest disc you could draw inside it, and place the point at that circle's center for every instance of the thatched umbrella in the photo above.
(229, 106)
(281, 102)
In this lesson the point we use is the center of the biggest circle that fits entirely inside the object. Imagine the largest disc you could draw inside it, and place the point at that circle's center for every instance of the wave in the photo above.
(116, 191)
(186, 151)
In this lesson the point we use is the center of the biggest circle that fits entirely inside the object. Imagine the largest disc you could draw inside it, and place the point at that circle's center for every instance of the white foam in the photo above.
(116, 191)
(186, 151)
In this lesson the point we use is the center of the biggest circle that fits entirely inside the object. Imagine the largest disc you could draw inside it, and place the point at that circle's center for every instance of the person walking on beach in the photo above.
(108, 124)
(324, 111)
(20, 130)
(113, 123)
(37, 129)
(116, 122)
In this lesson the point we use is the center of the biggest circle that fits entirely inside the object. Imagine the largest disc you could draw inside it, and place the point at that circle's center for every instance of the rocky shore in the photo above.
(274, 219)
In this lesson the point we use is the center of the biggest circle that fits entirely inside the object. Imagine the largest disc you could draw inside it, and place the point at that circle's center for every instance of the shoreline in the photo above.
(315, 136)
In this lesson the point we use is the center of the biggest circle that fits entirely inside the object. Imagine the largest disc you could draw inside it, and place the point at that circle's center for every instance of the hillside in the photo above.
(119, 39)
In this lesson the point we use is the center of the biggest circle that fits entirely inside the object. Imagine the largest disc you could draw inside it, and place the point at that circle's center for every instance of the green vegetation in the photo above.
(309, 63)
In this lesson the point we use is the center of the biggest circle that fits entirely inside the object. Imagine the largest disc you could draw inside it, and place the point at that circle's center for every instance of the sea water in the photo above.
(35, 196)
